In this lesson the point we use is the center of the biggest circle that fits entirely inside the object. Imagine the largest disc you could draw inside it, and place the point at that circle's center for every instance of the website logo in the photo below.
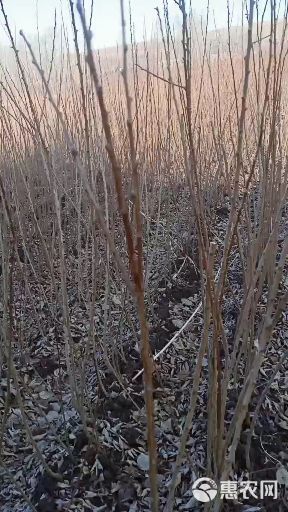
(204, 489)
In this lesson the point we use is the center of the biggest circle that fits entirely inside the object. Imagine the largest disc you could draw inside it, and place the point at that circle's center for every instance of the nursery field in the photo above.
(143, 266)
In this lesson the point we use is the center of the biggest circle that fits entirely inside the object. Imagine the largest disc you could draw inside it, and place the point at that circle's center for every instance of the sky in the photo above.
(106, 29)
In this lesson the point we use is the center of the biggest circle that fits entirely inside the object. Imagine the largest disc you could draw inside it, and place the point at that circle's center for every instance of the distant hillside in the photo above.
(149, 53)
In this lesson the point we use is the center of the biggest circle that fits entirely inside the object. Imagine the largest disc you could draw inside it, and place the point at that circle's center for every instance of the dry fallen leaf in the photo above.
(143, 462)
(282, 476)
